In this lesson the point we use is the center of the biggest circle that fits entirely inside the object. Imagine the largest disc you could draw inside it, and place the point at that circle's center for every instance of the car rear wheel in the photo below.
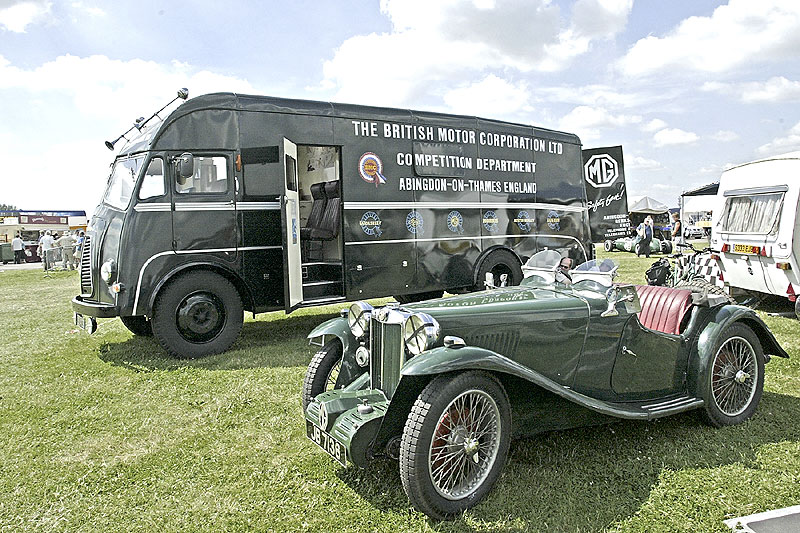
(138, 325)
(197, 314)
(322, 372)
(499, 263)
(455, 443)
(735, 380)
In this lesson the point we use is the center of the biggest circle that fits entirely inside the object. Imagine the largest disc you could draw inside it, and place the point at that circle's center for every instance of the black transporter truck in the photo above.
(236, 202)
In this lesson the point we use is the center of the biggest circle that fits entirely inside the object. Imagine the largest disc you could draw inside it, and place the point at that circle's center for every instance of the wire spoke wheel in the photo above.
(333, 375)
(465, 444)
(735, 376)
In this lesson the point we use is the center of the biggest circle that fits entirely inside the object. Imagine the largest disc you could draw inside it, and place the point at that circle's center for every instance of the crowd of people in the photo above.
(53, 248)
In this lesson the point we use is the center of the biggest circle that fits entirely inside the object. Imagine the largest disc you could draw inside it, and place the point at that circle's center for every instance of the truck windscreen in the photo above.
(122, 181)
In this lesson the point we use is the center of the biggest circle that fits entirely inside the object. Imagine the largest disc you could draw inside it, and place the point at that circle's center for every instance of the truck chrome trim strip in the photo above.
(204, 206)
(258, 206)
(461, 205)
(184, 252)
(160, 206)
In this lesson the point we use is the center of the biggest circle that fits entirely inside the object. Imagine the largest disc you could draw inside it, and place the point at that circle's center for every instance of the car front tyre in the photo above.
(197, 314)
(735, 380)
(455, 443)
(608, 246)
(322, 372)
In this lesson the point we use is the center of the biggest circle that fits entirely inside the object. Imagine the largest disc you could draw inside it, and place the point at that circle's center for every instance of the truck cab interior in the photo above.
(319, 178)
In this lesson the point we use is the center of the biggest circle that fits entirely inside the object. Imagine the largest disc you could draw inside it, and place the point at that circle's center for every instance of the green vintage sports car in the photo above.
(628, 244)
(444, 385)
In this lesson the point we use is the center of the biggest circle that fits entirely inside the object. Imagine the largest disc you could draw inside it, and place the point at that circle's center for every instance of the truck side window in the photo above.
(153, 181)
(210, 177)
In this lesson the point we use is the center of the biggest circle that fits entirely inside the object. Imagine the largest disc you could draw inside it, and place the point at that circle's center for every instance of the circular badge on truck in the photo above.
(371, 224)
(370, 167)
(491, 222)
(554, 220)
(524, 221)
(415, 223)
(455, 222)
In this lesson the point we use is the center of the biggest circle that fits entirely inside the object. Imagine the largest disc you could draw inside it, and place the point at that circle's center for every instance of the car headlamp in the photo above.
(358, 318)
(420, 332)
(107, 270)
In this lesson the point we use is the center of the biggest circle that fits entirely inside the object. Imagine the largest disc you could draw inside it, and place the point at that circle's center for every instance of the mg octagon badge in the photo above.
(601, 170)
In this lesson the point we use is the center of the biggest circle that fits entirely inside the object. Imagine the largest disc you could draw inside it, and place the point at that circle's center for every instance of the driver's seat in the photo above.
(663, 308)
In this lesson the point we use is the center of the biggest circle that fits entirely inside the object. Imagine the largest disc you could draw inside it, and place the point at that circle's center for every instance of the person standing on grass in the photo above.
(19, 250)
(46, 244)
(677, 230)
(79, 247)
(646, 233)
(67, 244)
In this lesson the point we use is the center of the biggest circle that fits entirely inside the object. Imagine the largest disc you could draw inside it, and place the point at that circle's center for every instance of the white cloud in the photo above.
(89, 10)
(787, 143)
(742, 33)
(588, 121)
(598, 95)
(491, 97)
(435, 45)
(725, 136)
(777, 89)
(671, 136)
(634, 162)
(654, 125)
(19, 15)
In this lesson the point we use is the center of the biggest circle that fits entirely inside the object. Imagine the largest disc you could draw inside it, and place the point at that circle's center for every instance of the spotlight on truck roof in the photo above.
(140, 122)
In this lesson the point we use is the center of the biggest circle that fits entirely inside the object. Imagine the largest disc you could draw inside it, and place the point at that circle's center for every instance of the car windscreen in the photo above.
(757, 213)
(122, 181)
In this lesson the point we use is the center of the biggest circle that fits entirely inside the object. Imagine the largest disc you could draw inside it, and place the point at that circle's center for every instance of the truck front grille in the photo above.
(86, 267)
(386, 355)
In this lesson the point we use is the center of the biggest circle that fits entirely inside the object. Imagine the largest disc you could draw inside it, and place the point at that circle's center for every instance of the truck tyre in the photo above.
(735, 378)
(322, 372)
(418, 297)
(455, 443)
(700, 285)
(498, 263)
(138, 325)
(197, 314)
(608, 246)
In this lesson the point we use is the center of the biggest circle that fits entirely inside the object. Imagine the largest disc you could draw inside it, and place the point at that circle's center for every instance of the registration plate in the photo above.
(86, 323)
(322, 439)
(746, 249)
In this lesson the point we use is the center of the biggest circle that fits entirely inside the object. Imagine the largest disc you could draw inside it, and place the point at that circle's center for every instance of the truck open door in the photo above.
(290, 218)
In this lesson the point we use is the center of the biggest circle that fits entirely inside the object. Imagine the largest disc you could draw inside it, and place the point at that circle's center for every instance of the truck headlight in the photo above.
(108, 270)
(420, 332)
(358, 318)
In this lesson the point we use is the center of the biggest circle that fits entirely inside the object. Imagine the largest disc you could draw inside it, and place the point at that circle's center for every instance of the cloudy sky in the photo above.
(688, 87)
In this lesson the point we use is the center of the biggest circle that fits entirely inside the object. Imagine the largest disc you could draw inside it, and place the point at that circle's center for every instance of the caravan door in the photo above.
(290, 218)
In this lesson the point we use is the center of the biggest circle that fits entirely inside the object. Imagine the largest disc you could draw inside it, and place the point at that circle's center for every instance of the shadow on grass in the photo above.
(586, 479)
(278, 341)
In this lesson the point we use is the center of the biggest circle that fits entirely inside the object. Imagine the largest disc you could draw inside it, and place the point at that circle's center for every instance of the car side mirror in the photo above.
(184, 167)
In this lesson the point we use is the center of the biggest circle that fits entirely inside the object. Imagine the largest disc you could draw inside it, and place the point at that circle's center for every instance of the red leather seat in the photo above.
(663, 307)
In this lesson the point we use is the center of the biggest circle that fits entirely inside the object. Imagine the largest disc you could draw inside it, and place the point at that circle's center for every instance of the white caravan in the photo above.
(755, 227)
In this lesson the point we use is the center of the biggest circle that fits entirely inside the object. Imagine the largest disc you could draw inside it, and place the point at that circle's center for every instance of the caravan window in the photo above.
(752, 214)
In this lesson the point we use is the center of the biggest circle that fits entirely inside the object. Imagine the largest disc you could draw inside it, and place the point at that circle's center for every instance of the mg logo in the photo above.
(601, 171)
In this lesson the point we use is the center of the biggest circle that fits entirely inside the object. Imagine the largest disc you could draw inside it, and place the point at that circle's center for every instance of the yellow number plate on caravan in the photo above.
(746, 249)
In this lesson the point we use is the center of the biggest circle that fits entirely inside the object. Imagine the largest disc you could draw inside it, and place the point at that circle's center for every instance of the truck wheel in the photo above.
(700, 285)
(797, 308)
(735, 377)
(608, 246)
(197, 314)
(498, 263)
(138, 325)
(418, 297)
(455, 443)
(322, 372)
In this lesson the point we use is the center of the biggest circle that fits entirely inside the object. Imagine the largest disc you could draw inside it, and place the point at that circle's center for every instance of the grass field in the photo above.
(106, 433)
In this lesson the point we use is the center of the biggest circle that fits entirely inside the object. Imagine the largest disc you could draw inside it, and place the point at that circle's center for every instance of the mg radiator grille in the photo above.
(386, 356)
(86, 266)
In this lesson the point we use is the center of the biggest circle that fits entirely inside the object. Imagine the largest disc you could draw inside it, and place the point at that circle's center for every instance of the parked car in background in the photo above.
(444, 385)
(694, 232)
(628, 244)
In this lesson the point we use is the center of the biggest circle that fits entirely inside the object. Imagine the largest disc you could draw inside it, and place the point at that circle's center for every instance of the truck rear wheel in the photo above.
(498, 263)
(197, 314)
(138, 325)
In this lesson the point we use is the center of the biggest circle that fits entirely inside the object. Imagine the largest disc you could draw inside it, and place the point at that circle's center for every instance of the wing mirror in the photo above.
(617, 294)
(184, 167)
